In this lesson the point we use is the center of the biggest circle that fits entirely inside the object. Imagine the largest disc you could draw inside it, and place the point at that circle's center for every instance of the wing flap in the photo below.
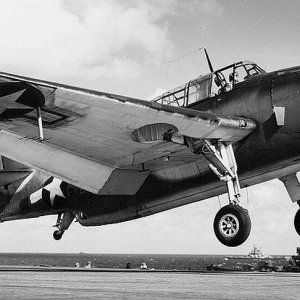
(76, 170)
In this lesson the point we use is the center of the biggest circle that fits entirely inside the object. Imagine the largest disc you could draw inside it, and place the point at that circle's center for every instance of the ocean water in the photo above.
(119, 261)
(69, 285)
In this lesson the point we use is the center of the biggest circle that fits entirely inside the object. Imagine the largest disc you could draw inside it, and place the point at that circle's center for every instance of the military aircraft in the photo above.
(101, 158)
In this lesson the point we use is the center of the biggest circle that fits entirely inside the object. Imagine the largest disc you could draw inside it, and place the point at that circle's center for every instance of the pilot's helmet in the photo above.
(234, 77)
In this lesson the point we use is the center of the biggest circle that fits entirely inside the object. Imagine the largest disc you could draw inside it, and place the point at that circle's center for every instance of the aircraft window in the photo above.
(176, 97)
(209, 85)
(199, 89)
(239, 75)
(191, 92)
(252, 70)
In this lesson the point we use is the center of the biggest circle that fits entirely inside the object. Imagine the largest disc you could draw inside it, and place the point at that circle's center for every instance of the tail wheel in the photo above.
(297, 221)
(57, 234)
(232, 225)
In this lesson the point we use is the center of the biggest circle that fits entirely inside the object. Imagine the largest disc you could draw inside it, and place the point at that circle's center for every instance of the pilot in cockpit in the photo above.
(234, 78)
(221, 83)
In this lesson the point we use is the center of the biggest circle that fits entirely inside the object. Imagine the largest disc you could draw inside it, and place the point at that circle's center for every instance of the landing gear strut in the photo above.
(63, 223)
(232, 224)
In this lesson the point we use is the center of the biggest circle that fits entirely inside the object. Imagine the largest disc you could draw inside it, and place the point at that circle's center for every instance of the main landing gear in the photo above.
(232, 224)
(63, 223)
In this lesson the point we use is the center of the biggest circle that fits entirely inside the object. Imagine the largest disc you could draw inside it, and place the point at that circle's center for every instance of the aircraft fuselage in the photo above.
(272, 151)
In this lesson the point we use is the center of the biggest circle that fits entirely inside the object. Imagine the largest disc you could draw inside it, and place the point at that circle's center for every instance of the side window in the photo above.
(199, 89)
(251, 70)
(239, 75)
(193, 94)
(177, 97)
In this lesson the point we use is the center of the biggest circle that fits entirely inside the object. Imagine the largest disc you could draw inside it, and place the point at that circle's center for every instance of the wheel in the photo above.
(297, 221)
(57, 234)
(232, 225)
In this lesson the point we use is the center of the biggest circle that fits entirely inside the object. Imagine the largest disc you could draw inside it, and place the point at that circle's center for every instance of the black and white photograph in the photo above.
(149, 149)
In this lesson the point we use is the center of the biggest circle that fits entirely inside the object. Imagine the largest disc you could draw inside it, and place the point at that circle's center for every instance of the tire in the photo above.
(297, 221)
(232, 225)
(57, 235)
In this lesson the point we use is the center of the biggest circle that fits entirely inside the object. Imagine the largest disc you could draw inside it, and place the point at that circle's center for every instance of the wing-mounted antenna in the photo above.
(208, 61)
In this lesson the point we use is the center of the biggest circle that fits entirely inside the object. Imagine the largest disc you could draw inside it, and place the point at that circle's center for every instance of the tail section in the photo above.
(11, 176)
(11, 171)
(17, 183)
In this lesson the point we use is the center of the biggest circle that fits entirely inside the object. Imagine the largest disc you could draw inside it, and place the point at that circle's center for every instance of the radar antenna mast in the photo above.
(208, 61)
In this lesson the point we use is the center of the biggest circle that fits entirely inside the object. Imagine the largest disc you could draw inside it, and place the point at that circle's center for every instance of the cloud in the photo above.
(212, 7)
(69, 39)
(84, 42)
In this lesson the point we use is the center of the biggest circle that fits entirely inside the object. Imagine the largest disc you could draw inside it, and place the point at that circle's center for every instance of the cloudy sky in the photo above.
(140, 48)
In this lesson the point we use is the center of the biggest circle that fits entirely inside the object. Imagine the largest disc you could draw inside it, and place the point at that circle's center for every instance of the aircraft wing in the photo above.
(90, 135)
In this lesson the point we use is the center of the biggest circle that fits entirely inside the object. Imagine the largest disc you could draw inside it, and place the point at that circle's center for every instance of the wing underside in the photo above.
(91, 136)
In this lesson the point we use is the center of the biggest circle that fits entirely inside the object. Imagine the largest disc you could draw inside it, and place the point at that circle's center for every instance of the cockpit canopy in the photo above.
(210, 85)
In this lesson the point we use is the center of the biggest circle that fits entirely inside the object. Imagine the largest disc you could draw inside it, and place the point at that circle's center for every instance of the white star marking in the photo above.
(53, 188)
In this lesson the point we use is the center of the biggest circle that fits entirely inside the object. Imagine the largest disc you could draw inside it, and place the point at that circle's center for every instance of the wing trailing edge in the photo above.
(76, 170)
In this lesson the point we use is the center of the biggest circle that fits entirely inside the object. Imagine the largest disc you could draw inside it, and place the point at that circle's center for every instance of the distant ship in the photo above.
(254, 253)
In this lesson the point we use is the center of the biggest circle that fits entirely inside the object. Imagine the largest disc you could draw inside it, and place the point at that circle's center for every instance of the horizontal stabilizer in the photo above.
(7, 177)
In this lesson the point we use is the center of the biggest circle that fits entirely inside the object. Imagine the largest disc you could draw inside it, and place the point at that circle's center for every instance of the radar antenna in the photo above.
(208, 61)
